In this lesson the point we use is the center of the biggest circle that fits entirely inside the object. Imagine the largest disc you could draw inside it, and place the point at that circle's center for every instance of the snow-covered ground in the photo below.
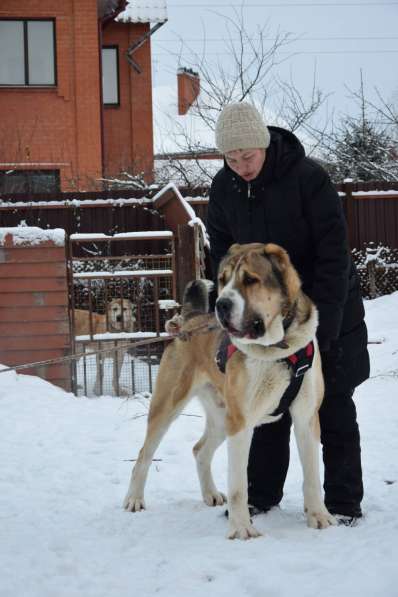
(65, 466)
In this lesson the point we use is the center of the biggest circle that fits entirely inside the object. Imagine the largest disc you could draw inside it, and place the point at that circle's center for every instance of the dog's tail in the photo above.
(195, 302)
(196, 298)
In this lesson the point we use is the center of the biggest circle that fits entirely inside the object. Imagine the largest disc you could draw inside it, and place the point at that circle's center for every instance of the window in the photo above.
(110, 75)
(27, 52)
(29, 181)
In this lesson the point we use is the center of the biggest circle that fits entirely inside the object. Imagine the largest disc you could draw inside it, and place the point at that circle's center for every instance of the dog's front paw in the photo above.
(133, 504)
(320, 519)
(214, 498)
(243, 532)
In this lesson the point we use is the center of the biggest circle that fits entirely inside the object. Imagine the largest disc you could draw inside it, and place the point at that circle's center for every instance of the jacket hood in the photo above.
(284, 152)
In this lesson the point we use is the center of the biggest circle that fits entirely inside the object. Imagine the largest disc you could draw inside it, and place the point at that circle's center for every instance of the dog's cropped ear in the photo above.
(233, 250)
(280, 258)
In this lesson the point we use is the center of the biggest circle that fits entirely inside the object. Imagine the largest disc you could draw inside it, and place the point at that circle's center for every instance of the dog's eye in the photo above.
(249, 280)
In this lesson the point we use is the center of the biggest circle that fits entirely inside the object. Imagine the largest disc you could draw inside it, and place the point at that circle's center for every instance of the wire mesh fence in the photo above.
(119, 297)
(122, 371)
(378, 269)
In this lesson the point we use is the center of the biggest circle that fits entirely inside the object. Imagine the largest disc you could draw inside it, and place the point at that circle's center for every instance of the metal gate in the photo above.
(118, 296)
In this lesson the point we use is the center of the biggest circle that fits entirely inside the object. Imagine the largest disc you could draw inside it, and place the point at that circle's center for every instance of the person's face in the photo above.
(247, 163)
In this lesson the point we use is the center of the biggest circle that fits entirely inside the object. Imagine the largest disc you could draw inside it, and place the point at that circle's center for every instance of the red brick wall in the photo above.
(60, 126)
(34, 319)
(128, 129)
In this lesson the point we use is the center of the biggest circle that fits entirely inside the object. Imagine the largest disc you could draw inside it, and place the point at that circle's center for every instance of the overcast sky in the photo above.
(338, 38)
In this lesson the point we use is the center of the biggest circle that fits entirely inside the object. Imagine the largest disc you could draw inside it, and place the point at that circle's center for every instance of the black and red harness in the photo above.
(298, 363)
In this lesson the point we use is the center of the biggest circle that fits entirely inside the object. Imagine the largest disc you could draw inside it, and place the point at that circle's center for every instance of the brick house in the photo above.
(75, 92)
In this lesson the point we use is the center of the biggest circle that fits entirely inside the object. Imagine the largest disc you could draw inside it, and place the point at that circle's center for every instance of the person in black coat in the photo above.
(269, 191)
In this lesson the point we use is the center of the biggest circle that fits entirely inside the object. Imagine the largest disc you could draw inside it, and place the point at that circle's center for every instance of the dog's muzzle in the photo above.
(253, 328)
(223, 309)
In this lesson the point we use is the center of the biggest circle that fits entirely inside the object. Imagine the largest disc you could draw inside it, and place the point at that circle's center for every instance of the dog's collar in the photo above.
(224, 352)
(299, 361)
(291, 314)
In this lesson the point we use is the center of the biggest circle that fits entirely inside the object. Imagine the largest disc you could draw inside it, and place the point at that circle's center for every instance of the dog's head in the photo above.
(257, 289)
(121, 315)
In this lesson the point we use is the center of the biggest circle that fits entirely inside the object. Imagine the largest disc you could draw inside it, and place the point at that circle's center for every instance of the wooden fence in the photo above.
(371, 210)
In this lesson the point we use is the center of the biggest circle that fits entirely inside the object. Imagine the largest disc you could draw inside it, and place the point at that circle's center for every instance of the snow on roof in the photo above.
(144, 11)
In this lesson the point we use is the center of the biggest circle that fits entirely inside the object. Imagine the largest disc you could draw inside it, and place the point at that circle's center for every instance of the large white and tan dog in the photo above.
(120, 317)
(268, 317)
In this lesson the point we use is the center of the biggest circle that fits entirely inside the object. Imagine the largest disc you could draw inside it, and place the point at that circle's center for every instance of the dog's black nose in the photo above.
(224, 308)
(257, 328)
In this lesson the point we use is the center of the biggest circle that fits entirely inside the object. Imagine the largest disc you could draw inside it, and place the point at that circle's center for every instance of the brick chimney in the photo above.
(188, 89)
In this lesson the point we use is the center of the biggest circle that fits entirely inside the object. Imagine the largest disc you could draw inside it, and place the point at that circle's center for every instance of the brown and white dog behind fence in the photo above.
(270, 321)
(120, 317)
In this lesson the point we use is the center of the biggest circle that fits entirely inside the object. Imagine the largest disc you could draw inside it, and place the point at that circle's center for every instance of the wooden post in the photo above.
(349, 211)
(180, 216)
(185, 258)
(371, 264)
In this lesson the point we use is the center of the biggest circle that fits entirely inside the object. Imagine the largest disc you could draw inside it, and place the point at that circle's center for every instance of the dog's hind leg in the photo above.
(212, 438)
(306, 431)
(168, 401)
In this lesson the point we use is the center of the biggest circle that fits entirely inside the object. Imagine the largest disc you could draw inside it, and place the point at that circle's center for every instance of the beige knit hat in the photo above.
(241, 126)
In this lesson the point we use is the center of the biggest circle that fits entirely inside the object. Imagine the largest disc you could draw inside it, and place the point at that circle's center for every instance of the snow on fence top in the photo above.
(382, 194)
(143, 273)
(32, 235)
(122, 235)
(144, 11)
(120, 336)
(166, 304)
(75, 203)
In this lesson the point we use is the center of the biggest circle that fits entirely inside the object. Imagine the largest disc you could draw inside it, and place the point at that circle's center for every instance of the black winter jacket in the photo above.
(293, 203)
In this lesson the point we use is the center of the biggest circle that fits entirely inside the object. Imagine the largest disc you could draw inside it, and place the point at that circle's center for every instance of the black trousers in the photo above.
(269, 457)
